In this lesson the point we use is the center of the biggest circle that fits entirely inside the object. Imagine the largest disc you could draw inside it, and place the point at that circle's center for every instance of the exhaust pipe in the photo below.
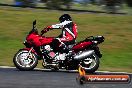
(83, 54)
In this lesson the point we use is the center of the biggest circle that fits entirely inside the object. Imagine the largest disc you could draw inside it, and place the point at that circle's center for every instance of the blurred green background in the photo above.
(16, 22)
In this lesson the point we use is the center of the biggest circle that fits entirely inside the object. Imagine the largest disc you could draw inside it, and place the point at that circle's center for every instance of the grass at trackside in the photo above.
(15, 23)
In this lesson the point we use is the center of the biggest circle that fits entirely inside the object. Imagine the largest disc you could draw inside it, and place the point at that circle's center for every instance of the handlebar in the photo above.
(41, 34)
(45, 30)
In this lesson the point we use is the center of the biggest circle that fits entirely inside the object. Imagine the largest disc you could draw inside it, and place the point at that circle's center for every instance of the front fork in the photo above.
(32, 50)
(29, 51)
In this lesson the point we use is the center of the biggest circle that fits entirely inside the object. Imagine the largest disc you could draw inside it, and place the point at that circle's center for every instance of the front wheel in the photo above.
(23, 60)
(91, 63)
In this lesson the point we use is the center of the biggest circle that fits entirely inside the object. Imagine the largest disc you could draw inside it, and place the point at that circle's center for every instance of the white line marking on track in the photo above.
(67, 70)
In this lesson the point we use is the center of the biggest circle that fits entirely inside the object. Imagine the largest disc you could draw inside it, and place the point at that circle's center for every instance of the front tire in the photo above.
(91, 66)
(25, 61)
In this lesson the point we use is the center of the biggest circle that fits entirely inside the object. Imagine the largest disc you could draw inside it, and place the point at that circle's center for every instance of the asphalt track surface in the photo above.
(13, 78)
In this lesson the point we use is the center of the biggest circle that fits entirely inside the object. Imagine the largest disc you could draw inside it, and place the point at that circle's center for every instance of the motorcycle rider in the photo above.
(69, 31)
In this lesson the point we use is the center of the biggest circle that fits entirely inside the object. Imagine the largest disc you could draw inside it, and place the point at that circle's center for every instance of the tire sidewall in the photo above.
(92, 70)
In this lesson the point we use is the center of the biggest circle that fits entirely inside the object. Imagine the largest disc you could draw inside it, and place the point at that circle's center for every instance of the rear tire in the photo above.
(95, 62)
(23, 63)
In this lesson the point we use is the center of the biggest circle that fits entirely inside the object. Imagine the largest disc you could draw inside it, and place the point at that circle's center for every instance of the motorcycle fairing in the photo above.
(38, 40)
(82, 45)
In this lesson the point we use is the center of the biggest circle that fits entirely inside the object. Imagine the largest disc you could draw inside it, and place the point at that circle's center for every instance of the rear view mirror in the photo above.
(34, 29)
(34, 22)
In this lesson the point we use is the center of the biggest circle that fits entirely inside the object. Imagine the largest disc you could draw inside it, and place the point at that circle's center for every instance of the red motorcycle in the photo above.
(85, 53)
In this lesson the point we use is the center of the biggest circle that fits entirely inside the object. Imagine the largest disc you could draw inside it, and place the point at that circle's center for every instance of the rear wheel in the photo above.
(91, 63)
(25, 61)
